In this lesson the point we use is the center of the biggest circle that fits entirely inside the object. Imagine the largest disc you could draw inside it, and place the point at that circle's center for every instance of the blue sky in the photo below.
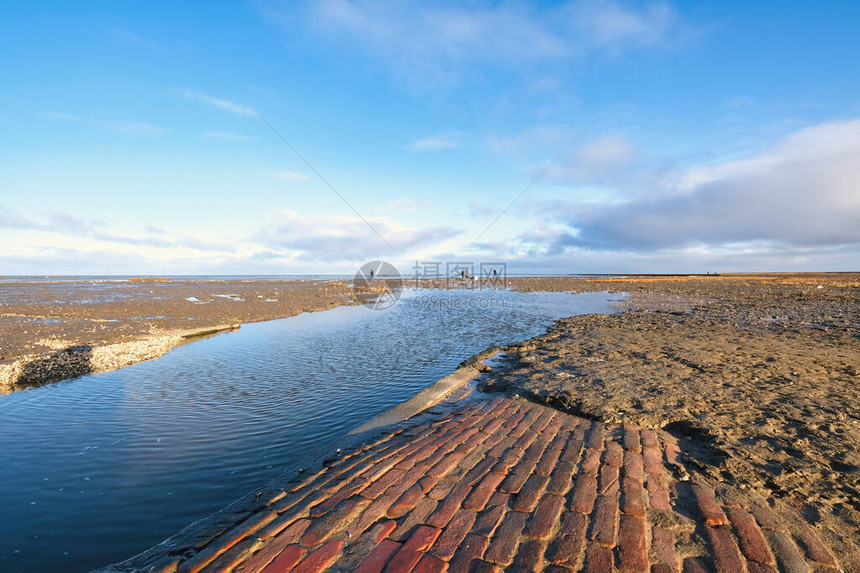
(728, 136)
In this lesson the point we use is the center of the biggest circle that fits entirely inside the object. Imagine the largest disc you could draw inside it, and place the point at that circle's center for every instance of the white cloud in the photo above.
(338, 239)
(604, 157)
(437, 142)
(232, 107)
(286, 175)
(801, 193)
(228, 136)
(441, 44)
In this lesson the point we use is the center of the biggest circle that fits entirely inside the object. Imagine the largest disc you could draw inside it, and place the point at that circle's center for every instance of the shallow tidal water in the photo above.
(97, 469)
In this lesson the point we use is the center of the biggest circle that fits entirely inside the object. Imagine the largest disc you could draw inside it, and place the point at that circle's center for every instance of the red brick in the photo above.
(551, 455)
(228, 560)
(472, 548)
(475, 474)
(517, 478)
(548, 419)
(534, 452)
(379, 486)
(286, 560)
(489, 519)
(382, 553)
(320, 559)
(454, 533)
(405, 502)
(275, 547)
(727, 556)
(561, 477)
(570, 539)
(751, 539)
(604, 521)
(430, 564)
(608, 481)
(653, 461)
(423, 537)
(694, 565)
(572, 451)
(788, 556)
(545, 516)
(633, 466)
(222, 543)
(711, 511)
(756, 567)
(766, 518)
(633, 500)
(380, 531)
(446, 464)
(530, 494)
(815, 549)
(504, 543)
(631, 438)
(417, 516)
(530, 556)
(368, 517)
(598, 559)
(449, 506)
(632, 553)
(381, 467)
(663, 546)
(658, 496)
(673, 453)
(579, 430)
(444, 487)
(480, 566)
(584, 493)
(649, 439)
(479, 496)
(335, 520)
(292, 530)
(595, 439)
(614, 454)
(413, 550)
(523, 426)
(591, 462)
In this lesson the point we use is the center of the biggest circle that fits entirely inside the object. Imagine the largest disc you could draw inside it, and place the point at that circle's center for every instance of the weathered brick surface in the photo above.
(459, 526)
(711, 511)
(604, 521)
(504, 484)
(545, 516)
(632, 554)
(752, 541)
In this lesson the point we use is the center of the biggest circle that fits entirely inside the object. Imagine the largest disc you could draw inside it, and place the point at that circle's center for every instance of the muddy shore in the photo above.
(55, 330)
(760, 374)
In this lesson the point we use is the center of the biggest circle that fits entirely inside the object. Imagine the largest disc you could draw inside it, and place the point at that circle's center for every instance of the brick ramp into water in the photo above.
(504, 484)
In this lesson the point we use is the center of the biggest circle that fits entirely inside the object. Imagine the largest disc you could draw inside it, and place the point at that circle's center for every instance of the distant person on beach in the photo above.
(371, 274)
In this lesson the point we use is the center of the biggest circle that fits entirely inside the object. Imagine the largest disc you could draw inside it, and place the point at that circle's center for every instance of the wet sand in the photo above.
(760, 374)
(55, 330)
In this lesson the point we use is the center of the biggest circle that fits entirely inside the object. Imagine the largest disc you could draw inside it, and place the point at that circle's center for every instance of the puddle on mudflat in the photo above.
(97, 469)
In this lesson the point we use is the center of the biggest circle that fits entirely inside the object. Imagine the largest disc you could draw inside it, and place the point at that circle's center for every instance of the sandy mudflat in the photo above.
(44, 325)
(760, 373)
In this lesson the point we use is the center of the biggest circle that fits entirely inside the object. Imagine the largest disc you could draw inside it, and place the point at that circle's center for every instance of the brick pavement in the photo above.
(505, 484)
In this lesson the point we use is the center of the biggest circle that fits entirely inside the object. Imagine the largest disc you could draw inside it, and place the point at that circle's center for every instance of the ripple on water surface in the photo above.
(97, 469)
